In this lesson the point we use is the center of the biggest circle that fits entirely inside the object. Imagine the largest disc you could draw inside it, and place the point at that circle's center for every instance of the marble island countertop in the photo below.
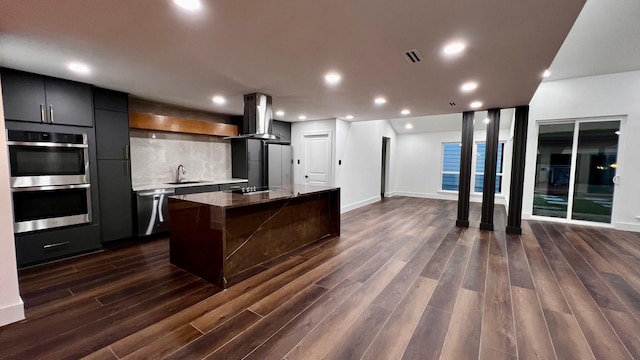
(187, 183)
(224, 199)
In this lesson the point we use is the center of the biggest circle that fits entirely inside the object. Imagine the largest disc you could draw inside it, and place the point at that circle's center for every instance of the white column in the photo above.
(11, 306)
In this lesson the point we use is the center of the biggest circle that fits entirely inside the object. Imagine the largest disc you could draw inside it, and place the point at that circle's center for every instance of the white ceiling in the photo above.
(157, 51)
(604, 39)
(447, 122)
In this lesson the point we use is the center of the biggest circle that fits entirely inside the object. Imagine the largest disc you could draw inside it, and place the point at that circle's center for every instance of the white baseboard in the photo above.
(12, 313)
(526, 215)
(437, 196)
(627, 226)
(390, 194)
(359, 204)
(474, 198)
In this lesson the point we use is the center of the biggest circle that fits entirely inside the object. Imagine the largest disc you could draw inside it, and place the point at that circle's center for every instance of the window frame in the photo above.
(443, 172)
(474, 164)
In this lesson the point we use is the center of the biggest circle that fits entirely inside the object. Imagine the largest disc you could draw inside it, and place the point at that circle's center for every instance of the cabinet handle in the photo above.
(51, 114)
(42, 119)
(49, 246)
(126, 152)
(126, 169)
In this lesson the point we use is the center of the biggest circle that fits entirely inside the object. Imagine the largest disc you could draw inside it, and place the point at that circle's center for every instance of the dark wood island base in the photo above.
(225, 237)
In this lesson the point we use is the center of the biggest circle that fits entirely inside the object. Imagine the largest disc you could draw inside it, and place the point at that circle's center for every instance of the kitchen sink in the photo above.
(183, 182)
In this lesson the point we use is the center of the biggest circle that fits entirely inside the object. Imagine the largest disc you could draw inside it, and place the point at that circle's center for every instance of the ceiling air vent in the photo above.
(452, 103)
(412, 56)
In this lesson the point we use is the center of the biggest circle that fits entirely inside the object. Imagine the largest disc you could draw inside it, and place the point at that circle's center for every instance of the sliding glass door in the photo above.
(575, 169)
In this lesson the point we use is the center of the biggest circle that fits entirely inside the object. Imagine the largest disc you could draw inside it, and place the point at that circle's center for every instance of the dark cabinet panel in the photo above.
(37, 98)
(110, 100)
(239, 158)
(38, 247)
(112, 133)
(23, 96)
(115, 199)
(232, 186)
(114, 177)
(68, 102)
(196, 189)
(254, 147)
(254, 173)
(247, 160)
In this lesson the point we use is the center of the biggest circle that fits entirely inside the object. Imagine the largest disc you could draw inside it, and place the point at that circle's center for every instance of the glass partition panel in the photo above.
(553, 170)
(596, 165)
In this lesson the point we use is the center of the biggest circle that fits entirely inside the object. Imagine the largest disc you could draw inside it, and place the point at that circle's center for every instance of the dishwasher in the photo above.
(153, 212)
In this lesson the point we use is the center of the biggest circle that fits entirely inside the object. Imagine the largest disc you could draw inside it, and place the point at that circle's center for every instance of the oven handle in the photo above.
(53, 187)
(46, 144)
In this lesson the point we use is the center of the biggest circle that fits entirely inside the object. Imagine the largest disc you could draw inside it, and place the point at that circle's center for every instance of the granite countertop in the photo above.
(156, 186)
(226, 199)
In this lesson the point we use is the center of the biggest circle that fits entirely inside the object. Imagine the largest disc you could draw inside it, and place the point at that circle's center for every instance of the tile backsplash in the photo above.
(155, 157)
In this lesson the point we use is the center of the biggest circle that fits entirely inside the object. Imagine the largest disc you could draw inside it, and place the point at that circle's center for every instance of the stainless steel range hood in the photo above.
(258, 117)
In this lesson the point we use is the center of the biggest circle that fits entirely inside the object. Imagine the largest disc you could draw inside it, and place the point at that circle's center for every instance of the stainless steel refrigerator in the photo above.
(279, 165)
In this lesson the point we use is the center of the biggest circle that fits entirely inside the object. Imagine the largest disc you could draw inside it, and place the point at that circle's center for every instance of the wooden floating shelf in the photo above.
(180, 125)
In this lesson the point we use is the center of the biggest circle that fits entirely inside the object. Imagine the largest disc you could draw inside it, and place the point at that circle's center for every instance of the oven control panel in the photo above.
(35, 136)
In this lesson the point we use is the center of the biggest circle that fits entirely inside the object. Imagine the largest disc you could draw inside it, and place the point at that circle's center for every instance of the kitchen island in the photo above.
(225, 237)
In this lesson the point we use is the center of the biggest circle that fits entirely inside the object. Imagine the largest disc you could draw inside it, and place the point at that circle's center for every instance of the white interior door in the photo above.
(317, 159)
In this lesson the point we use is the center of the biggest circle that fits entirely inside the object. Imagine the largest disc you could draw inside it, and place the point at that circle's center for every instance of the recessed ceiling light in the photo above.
(219, 100)
(349, 117)
(332, 78)
(188, 4)
(380, 100)
(454, 48)
(79, 68)
(476, 104)
(487, 120)
(408, 126)
(469, 86)
(280, 113)
(405, 112)
(546, 73)
(302, 117)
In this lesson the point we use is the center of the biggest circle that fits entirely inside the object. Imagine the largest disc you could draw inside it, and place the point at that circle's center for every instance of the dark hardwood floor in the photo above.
(400, 283)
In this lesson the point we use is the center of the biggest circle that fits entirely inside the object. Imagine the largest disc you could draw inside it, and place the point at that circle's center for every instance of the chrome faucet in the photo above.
(180, 174)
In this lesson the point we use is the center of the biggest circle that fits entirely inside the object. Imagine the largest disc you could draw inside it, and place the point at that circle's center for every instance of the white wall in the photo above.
(419, 164)
(11, 306)
(361, 168)
(594, 96)
(342, 136)
(359, 146)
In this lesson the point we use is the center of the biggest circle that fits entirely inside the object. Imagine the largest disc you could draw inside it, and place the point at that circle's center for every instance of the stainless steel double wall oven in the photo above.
(50, 181)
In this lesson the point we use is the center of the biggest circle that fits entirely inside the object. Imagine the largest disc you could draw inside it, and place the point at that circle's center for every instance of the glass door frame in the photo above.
(574, 159)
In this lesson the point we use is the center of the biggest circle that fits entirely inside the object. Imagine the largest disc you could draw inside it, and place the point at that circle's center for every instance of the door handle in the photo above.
(616, 180)
(306, 176)
(51, 114)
